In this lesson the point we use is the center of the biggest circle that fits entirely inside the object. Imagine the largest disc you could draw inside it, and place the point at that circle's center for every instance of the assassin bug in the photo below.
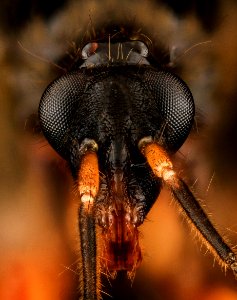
(116, 119)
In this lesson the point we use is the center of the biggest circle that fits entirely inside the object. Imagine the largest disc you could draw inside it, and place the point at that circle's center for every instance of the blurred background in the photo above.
(38, 209)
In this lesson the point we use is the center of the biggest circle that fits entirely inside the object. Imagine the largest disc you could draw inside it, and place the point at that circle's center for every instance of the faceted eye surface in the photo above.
(175, 104)
(57, 107)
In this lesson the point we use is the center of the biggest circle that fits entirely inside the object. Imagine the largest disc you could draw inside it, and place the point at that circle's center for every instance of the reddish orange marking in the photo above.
(88, 177)
(121, 250)
(94, 47)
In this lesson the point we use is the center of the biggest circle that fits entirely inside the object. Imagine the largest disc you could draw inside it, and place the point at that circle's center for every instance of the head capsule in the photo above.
(115, 98)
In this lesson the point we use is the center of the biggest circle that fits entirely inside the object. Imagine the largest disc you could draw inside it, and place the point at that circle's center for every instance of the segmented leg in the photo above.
(162, 167)
(88, 185)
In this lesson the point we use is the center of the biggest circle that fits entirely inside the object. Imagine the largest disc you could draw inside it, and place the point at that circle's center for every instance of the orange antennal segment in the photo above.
(158, 160)
(88, 187)
(88, 177)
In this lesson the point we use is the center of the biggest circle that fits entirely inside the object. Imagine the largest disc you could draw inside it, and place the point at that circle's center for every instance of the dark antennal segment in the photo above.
(116, 118)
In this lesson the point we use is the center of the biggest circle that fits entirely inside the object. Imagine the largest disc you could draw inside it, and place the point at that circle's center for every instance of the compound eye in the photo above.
(89, 50)
(57, 107)
(175, 104)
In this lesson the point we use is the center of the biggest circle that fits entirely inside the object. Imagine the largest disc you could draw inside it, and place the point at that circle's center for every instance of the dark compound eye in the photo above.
(57, 108)
(176, 106)
(158, 104)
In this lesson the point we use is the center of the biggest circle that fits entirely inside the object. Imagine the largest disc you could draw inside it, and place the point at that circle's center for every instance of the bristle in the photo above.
(201, 238)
